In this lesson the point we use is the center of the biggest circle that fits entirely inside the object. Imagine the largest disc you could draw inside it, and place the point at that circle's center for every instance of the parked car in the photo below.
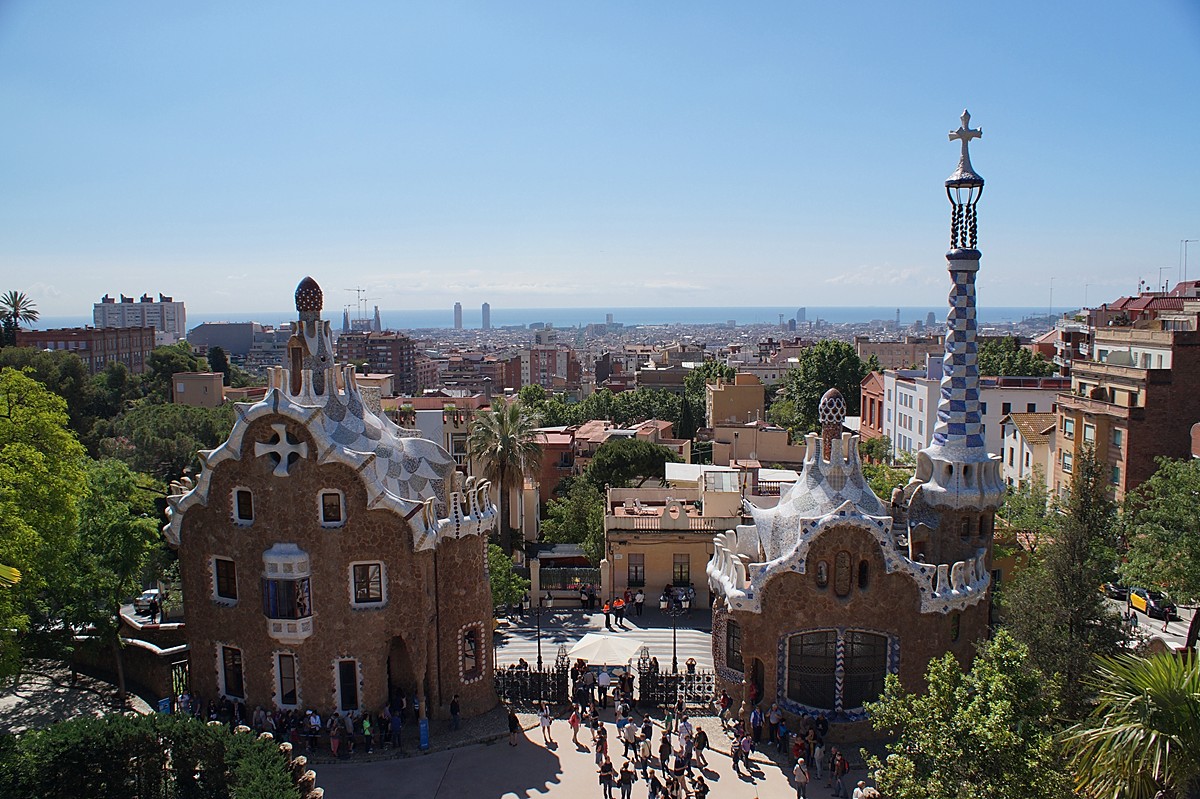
(1152, 603)
(1115, 591)
(142, 603)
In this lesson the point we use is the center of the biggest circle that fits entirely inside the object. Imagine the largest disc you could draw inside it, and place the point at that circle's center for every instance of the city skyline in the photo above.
(616, 156)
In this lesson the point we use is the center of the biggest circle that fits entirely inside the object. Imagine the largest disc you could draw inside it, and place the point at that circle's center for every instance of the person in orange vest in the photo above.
(607, 618)
(619, 611)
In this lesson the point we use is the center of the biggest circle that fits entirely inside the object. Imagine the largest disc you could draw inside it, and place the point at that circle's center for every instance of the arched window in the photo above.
(864, 574)
(841, 574)
(955, 624)
(964, 531)
(822, 574)
(733, 646)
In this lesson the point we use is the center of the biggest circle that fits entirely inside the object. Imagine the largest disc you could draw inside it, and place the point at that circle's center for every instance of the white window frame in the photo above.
(321, 507)
(212, 570)
(233, 507)
(1089, 433)
(278, 675)
(383, 582)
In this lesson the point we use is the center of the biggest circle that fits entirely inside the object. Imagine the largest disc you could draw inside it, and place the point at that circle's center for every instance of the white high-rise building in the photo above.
(165, 315)
(458, 316)
(487, 316)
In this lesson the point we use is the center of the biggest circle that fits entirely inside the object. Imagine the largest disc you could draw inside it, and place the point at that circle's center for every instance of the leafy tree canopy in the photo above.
(883, 478)
(63, 373)
(619, 462)
(1006, 357)
(577, 518)
(985, 734)
(163, 363)
(162, 439)
(508, 587)
(1054, 605)
(1160, 526)
(1027, 509)
(825, 365)
(41, 474)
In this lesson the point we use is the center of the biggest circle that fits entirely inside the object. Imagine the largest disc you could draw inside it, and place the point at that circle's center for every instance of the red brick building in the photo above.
(329, 561)
(384, 353)
(871, 407)
(96, 347)
(1135, 402)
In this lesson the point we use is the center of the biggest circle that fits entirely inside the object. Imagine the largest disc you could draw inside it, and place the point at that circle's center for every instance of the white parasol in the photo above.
(606, 650)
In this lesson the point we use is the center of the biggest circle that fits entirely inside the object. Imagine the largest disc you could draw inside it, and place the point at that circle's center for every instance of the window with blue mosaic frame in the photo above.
(812, 666)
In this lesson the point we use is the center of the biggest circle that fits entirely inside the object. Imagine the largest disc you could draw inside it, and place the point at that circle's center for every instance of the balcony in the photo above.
(1073, 402)
(655, 523)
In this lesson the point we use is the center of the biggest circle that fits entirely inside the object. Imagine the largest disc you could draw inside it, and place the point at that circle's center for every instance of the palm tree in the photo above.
(15, 308)
(1144, 734)
(502, 441)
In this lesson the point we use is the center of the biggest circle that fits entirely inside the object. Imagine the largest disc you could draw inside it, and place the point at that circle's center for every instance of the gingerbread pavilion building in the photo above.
(833, 589)
(330, 559)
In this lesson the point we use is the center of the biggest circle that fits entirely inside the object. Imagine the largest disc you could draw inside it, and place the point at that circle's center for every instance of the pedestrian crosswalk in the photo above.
(519, 639)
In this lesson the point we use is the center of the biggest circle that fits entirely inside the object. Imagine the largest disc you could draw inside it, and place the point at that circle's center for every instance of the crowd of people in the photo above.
(346, 732)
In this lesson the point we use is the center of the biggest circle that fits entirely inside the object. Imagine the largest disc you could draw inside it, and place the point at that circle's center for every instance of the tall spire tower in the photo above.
(956, 470)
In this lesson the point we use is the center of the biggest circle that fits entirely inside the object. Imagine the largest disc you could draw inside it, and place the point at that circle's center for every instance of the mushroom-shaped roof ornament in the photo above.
(308, 296)
(831, 413)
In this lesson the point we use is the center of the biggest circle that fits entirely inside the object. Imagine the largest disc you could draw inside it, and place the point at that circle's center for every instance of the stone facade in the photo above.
(330, 559)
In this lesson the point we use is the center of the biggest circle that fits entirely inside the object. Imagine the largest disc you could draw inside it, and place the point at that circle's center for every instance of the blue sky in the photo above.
(549, 154)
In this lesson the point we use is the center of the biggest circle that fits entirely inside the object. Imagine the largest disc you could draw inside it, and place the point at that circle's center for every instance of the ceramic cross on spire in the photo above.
(964, 134)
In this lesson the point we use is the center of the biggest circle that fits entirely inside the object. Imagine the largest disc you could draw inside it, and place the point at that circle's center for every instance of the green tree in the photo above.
(883, 478)
(118, 532)
(1161, 531)
(1143, 736)
(162, 439)
(15, 309)
(508, 587)
(620, 461)
(1006, 357)
(985, 734)
(1027, 509)
(218, 361)
(503, 444)
(825, 365)
(41, 475)
(162, 365)
(1054, 605)
(63, 373)
(577, 518)
(878, 449)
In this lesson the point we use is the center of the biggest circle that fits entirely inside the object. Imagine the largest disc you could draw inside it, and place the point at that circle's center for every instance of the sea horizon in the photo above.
(425, 318)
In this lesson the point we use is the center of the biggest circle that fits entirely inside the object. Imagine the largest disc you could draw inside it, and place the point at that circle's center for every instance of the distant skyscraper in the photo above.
(458, 316)
(345, 320)
(800, 313)
(487, 316)
(608, 319)
(931, 319)
(377, 324)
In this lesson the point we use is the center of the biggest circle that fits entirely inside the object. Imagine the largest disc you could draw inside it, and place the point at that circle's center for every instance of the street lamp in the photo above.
(676, 608)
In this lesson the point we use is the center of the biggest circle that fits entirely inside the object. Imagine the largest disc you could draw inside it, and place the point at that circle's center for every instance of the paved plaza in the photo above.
(534, 769)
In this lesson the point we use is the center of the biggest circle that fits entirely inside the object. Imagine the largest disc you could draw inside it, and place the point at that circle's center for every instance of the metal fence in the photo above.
(534, 686)
(566, 578)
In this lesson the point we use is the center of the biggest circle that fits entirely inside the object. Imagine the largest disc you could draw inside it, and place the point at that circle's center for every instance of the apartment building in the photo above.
(167, 316)
(1135, 402)
(96, 347)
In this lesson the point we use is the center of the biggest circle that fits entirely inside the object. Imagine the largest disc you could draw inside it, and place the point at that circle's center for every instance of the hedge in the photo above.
(141, 757)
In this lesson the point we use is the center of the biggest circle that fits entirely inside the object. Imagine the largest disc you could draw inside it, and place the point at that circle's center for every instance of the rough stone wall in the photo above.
(889, 604)
(286, 510)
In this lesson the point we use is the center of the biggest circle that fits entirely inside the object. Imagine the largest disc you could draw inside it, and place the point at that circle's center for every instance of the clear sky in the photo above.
(549, 154)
